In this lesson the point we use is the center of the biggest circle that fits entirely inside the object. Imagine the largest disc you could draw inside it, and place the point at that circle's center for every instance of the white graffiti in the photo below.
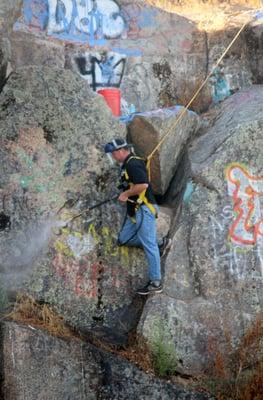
(101, 17)
(80, 245)
(101, 70)
(237, 259)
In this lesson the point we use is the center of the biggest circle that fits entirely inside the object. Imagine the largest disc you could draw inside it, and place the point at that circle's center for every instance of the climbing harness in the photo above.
(183, 112)
(142, 199)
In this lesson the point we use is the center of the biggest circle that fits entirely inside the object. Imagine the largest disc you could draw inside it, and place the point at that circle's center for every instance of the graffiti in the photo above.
(245, 190)
(101, 70)
(89, 20)
(221, 88)
(74, 261)
(75, 244)
(230, 257)
(82, 278)
(243, 223)
(85, 279)
(160, 113)
(188, 192)
(35, 13)
(138, 18)
(80, 244)
(36, 165)
(139, 91)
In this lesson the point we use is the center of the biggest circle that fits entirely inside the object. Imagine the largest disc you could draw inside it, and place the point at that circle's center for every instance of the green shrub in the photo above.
(164, 359)
(163, 350)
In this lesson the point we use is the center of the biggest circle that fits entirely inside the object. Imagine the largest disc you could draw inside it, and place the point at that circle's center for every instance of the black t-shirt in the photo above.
(137, 172)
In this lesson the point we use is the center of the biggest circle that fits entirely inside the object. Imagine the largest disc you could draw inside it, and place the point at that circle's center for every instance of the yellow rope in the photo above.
(181, 114)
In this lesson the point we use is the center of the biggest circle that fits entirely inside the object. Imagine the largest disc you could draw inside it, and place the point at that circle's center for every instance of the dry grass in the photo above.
(138, 353)
(238, 375)
(28, 311)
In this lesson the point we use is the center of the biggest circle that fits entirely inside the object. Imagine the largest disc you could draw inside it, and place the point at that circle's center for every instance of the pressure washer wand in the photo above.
(68, 203)
(95, 206)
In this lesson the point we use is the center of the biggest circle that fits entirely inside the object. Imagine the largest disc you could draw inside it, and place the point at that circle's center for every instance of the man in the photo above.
(139, 228)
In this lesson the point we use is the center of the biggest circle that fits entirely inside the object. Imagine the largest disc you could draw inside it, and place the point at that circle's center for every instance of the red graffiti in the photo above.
(245, 190)
(81, 278)
(80, 284)
(86, 279)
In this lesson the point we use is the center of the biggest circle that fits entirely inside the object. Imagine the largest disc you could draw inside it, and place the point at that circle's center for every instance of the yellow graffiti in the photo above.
(93, 233)
(103, 236)
(78, 235)
(111, 248)
(65, 231)
(61, 247)
(108, 242)
(124, 250)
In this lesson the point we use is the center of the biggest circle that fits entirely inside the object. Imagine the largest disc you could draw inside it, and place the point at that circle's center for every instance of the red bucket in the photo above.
(113, 99)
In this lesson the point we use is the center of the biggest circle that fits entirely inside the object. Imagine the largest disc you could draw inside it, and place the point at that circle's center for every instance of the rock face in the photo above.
(37, 366)
(52, 131)
(52, 127)
(157, 59)
(215, 14)
(214, 270)
(9, 12)
(120, 51)
(253, 39)
(148, 129)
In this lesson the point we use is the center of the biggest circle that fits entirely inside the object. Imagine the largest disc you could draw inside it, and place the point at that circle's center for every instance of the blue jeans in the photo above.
(145, 237)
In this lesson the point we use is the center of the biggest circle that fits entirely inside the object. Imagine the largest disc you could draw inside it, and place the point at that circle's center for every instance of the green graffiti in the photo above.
(25, 181)
(40, 188)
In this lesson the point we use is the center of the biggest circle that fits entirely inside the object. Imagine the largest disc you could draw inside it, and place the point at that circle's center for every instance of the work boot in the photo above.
(151, 287)
(165, 246)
